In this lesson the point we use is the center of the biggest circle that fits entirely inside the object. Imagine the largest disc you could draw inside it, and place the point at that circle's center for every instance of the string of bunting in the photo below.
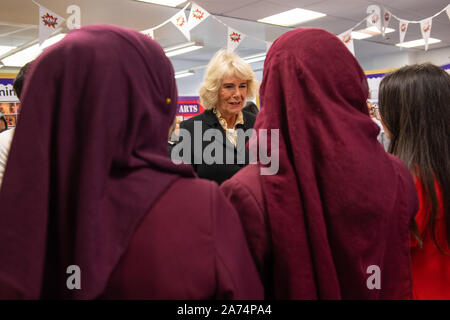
(377, 16)
(196, 16)
(380, 18)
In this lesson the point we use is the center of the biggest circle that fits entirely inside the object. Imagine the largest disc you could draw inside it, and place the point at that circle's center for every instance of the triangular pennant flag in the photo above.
(374, 20)
(48, 23)
(425, 28)
(347, 39)
(180, 21)
(402, 27)
(448, 11)
(386, 19)
(234, 39)
(149, 33)
(197, 16)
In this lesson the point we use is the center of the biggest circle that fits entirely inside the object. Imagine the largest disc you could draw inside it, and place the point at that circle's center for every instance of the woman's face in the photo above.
(232, 96)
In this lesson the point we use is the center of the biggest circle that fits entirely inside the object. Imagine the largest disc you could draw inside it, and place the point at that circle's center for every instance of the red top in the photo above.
(430, 268)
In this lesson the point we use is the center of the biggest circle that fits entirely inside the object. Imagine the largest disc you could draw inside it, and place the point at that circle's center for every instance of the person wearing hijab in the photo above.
(229, 82)
(88, 206)
(414, 108)
(333, 222)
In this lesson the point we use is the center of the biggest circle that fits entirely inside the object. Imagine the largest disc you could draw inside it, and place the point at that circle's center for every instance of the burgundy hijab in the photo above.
(331, 204)
(88, 160)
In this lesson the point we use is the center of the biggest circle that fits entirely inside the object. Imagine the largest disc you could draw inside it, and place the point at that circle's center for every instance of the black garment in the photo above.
(216, 172)
(251, 107)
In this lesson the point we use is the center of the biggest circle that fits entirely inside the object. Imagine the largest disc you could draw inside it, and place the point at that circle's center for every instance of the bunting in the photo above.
(385, 24)
(196, 16)
(150, 33)
(48, 23)
(379, 17)
(374, 18)
(425, 28)
(180, 21)
(347, 39)
(234, 39)
(402, 27)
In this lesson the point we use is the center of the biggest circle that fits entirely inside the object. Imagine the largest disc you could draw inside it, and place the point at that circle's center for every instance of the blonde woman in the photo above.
(229, 81)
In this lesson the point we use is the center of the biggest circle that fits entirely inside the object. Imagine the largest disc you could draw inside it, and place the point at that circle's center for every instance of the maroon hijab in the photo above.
(88, 160)
(330, 205)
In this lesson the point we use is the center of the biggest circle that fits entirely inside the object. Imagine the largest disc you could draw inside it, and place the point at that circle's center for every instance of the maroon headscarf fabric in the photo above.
(88, 160)
(331, 203)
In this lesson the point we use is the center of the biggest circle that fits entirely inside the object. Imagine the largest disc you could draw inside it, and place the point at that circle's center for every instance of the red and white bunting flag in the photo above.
(180, 21)
(385, 24)
(48, 23)
(402, 27)
(149, 33)
(197, 16)
(374, 20)
(234, 39)
(347, 39)
(425, 28)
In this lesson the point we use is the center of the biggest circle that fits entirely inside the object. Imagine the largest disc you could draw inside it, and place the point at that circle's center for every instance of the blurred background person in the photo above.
(251, 107)
(99, 194)
(375, 115)
(414, 108)
(3, 123)
(6, 136)
(229, 81)
(338, 211)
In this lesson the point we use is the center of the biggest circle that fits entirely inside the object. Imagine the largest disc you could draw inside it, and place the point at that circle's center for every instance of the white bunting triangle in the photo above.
(149, 33)
(448, 11)
(180, 21)
(402, 27)
(374, 20)
(347, 39)
(234, 39)
(425, 28)
(385, 24)
(196, 16)
(48, 23)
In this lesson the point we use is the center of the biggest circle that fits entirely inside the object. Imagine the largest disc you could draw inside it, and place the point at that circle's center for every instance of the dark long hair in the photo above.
(414, 103)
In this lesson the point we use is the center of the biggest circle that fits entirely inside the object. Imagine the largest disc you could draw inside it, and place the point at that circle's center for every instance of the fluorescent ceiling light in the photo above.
(22, 57)
(169, 3)
(182, 48)
(5, 49)
(292, 17)
(369, 32)
(417, 43)
(183, 74)
(255, 58)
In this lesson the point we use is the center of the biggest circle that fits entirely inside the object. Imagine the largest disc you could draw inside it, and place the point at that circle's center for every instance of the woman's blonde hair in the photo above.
(225, 64)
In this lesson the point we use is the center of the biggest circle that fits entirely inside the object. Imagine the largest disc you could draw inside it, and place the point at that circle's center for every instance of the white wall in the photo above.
(392, 60)
(439, 57)
(395, 60)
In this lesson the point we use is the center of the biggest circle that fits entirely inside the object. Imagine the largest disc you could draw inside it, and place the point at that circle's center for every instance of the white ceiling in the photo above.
(15, 15)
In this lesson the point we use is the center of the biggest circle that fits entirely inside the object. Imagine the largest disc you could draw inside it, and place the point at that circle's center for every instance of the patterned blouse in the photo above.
(230, 133)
